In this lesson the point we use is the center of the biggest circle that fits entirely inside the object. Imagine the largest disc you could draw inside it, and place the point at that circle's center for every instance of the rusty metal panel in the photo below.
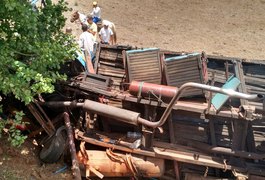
(97, 81)
(182, 69)
(110, 63)
(144, 65)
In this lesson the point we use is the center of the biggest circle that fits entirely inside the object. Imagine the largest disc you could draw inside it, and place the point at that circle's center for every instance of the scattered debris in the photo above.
(143, 107)
(24, 151)
(61, 170)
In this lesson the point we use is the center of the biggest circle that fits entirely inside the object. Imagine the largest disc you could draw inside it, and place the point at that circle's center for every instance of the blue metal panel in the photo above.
(219, 99)
(141, 50)
(182, 57)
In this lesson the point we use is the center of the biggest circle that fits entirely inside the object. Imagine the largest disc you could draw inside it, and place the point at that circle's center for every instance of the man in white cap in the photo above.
(106, 34)
(96, 12)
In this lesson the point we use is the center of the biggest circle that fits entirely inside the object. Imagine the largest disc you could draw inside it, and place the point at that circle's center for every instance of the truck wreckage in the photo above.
(156, 113)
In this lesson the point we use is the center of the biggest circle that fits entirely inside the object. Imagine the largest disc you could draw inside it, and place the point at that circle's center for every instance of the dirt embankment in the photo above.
(230, 28)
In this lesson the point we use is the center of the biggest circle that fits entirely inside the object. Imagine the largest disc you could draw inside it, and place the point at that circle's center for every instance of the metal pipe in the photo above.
(123, 115)
(144, 89)
(58, 104)
(229, 92)
(111, 164)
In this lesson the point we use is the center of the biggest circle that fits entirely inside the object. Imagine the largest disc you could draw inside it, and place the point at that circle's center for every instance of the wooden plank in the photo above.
(97, 58)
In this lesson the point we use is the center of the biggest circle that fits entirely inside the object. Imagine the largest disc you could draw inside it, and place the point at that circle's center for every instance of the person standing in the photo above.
(92, 27)
(106, 34)
(96, 12)
(86, 43)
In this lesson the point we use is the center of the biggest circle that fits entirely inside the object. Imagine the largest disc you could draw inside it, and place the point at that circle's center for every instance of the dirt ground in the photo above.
(23, 163)
(230, 28)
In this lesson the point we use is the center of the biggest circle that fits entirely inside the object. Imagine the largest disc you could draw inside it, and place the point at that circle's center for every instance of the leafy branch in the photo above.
(39, 34)
(32, 48)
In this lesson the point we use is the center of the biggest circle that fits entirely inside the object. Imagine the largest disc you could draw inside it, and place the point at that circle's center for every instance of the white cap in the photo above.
(105, 23)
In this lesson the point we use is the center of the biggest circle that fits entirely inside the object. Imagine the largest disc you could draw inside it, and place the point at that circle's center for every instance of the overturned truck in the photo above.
(146, 113)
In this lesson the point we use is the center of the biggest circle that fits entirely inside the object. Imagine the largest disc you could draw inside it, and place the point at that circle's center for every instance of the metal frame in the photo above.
(178, 72)
(134, 118)
(131, 53)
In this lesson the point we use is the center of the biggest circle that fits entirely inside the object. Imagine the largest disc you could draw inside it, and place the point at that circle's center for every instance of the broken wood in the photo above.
(42, 118)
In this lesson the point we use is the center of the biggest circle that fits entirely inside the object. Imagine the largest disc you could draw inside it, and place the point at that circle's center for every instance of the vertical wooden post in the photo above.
(75, 164)
(173, 140)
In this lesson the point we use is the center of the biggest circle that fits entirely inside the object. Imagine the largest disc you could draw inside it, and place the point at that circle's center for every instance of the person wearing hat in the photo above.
(92, 27)
(106, 34)
(96, 12)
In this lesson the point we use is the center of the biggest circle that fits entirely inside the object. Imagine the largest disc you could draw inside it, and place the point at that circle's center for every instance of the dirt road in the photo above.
(230, 28)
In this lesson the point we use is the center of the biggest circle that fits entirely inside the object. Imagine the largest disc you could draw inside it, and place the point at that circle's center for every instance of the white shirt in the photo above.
(96, 12)
(86, 41)
(83, 18)
(105, 34)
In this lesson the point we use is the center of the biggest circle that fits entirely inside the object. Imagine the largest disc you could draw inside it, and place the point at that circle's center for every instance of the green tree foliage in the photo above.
(32, 47)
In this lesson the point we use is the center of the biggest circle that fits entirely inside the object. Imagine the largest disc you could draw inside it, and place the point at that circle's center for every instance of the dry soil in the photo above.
(229, 28)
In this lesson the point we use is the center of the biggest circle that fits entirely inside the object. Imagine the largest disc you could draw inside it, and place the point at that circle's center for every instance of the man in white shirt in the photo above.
(106, 34)
(86, 43)
(96, 12)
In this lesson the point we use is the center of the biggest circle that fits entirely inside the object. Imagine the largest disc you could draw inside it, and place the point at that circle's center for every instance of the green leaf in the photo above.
(32, 48)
